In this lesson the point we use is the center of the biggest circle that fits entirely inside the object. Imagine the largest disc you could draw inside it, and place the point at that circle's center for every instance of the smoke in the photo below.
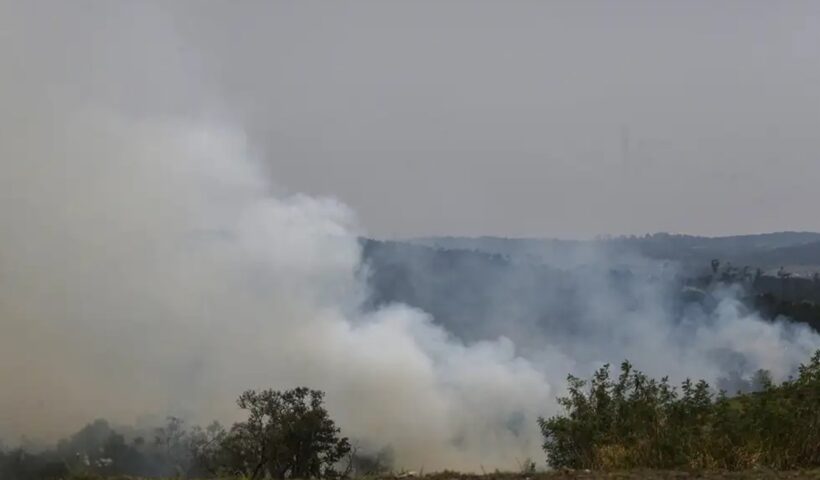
(148, 266)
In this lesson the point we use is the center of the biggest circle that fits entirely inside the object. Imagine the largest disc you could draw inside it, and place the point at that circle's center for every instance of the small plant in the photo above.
(526, 467)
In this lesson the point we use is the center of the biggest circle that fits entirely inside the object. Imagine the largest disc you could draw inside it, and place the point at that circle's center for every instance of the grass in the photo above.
(566, 475)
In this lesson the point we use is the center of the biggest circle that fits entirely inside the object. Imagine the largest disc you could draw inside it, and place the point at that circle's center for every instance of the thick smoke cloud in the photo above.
(148, 267)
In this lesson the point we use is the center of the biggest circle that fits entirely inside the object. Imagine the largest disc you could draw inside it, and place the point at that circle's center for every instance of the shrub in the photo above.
(287, 434)
(638, 422)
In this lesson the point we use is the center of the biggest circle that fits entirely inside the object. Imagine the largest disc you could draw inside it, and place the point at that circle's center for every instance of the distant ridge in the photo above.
(765, 250)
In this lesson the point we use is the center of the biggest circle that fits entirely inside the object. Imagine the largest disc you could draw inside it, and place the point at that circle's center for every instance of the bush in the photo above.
(638, 422)
(287, 434)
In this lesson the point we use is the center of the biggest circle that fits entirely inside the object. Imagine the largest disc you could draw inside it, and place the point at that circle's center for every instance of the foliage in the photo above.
(371, 464)
(638, 422)
(287, 434)
(207, 450)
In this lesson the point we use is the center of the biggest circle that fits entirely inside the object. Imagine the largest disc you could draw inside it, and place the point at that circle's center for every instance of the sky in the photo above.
(183, 185)
(508, 118)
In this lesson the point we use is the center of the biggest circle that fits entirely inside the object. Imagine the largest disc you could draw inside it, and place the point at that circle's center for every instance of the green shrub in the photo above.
(639, 422)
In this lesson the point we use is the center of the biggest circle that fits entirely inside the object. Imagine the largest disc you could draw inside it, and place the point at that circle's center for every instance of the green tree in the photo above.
(287, 434)
(207, 452)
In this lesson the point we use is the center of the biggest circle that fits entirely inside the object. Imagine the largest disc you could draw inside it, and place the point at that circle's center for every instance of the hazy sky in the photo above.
(514, 118)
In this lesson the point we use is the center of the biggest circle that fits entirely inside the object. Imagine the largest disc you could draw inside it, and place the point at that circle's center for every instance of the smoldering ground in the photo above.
(148, 265)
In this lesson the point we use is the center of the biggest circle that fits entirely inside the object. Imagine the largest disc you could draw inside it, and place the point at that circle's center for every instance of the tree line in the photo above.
(287, 434)
(628, 422)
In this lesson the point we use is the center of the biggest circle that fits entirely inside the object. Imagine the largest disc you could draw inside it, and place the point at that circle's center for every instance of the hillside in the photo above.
(768, 250)
(485, 287)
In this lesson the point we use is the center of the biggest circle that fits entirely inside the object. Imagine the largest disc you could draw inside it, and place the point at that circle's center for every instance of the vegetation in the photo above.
(638, 422)
(630, 423)
(287, 434)
(563, 475)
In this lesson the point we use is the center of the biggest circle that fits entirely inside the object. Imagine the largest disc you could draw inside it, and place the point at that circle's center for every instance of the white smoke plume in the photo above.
(147, 266)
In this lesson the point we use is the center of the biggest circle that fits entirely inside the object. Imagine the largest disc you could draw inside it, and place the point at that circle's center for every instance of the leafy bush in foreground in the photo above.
(639, 422)
(287, 435)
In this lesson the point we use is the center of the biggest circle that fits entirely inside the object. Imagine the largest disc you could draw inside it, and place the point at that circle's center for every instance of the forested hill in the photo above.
(769, 250)
(485, 287)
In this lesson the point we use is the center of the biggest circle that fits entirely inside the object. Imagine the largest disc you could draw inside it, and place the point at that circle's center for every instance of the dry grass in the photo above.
(567, 475)
(632, 474)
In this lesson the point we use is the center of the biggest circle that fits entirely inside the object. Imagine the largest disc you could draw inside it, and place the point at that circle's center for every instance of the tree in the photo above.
(172, 442)
(287, 434)
(171, 437)
(208, 457)
(122, 456)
